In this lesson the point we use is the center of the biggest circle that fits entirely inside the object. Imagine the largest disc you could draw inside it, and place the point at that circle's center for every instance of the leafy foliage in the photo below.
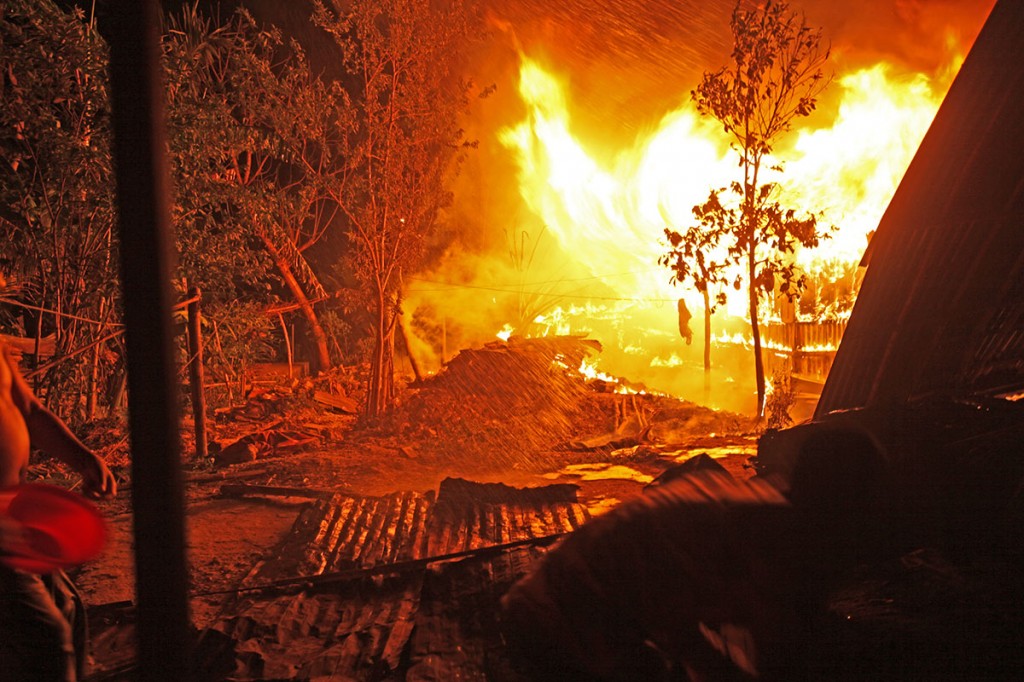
(402, 62)
(267, 159)
(695, 256)
(237, 332)
(781, 399)
(776, 77)
(255, 138)
(56, 193)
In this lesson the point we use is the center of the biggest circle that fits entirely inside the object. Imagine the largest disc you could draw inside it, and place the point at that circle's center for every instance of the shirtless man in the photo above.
(42, 626)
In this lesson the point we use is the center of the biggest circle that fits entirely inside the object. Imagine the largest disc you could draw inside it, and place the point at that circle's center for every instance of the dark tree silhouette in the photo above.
(776, 76)
(403, 60)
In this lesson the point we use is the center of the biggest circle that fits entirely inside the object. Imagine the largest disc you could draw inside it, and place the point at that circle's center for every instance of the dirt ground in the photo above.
(499, 415)
(282, 442)
(227, 534)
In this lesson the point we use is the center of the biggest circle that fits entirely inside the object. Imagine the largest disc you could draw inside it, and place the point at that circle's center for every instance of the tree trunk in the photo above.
(707, 332)
(707, 345)
(381, 390)
(323, 357)
(755, 332)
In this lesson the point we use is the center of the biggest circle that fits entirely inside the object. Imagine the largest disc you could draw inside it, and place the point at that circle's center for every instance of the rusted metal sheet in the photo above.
(355, 629)
(940, 308)
(358, 627)
(473, 515)
(457, 635)
(347, 532)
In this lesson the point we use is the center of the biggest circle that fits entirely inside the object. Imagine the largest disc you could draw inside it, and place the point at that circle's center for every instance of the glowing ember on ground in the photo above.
(600, 472)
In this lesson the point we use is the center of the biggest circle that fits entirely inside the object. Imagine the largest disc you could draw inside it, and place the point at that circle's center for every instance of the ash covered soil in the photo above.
(512, 413)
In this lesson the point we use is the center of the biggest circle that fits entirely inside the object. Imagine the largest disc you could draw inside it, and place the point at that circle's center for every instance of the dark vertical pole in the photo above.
(146, 268)
(197, 377)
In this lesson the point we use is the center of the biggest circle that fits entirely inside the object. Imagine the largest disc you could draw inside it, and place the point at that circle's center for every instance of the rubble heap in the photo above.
(504, 403)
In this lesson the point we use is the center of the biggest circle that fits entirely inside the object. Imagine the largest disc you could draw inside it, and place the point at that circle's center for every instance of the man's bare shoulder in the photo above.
(14, 437)
(13, 387)
(8, 364)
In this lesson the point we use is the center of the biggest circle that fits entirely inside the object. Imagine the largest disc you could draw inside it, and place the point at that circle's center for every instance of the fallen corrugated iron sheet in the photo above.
(472, 515)
(352, 619)
(353, 630)
(457, 633)
(356, 631)
(347, 532)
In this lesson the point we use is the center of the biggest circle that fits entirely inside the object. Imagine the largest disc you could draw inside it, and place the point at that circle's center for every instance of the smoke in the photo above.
(917, 35)
(632, 57)
(626, 65)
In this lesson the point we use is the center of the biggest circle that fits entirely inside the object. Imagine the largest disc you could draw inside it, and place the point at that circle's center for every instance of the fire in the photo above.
(590, 372)
(608, 212)
(850, 170)
(747, 342)
(608, 215)
(607, 208)
(560, 225)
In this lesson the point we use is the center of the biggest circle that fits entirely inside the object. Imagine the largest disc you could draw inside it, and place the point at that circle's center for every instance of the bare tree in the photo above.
(402, 59)
(776, 77)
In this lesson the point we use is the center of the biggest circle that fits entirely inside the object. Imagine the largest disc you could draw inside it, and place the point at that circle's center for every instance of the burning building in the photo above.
(903, 493)
(591, 145)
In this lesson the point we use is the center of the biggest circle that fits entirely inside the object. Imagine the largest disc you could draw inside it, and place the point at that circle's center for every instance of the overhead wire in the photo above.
(517, 289)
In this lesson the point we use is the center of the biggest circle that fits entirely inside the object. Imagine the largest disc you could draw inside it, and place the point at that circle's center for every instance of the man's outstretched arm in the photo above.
(50, 434)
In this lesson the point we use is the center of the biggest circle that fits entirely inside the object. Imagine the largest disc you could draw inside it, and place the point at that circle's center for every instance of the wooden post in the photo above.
(197, 376)
(408, 350)
(163, 629)
(288, 347)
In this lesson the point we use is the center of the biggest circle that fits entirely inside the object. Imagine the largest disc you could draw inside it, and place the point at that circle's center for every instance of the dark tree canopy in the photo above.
(402, 59)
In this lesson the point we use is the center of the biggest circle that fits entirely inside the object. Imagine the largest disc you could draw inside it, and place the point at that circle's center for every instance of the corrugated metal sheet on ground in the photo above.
(346, 532)
(351, 630)
(359, 628)
(457, 635)
(471, 515)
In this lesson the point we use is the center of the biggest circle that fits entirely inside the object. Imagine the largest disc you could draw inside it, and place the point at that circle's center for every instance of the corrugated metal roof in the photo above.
(358, 627)
(457, 635)
(940, 309)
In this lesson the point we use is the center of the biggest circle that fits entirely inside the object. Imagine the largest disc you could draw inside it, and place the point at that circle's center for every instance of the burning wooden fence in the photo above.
(807, 348)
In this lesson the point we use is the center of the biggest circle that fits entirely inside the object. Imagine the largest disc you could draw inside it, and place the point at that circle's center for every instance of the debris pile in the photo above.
(504, 403)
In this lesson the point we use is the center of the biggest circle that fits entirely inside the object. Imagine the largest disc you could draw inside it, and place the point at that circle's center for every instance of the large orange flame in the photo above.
(584, 215)
(608, 208)
(610, 215)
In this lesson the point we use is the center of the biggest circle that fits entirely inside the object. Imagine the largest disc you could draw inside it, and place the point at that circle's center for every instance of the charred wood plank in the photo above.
(312, 582)
(250, 490)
